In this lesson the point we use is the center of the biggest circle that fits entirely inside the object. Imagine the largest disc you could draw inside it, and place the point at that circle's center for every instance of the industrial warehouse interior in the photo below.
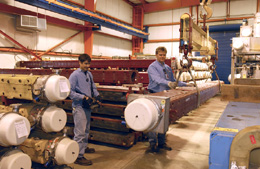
(129, 84)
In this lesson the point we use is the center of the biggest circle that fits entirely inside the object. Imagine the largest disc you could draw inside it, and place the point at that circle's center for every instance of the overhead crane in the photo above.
(85, 15)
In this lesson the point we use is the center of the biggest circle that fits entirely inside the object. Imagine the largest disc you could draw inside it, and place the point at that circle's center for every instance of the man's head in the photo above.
(84, 62)
(161, 54)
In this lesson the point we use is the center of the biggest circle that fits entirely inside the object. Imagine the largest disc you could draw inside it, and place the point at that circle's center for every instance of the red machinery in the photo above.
(117, 79)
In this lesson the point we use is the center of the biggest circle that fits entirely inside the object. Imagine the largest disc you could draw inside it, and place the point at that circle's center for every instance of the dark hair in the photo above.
(84, 57)
(160, 48)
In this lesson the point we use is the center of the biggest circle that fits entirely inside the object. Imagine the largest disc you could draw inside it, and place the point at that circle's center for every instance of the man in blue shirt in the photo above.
(83, 89)
(160, 78)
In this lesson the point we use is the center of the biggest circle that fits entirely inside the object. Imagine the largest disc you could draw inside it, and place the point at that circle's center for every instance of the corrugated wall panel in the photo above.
(224, 59)
(110, 46)
(116, 8)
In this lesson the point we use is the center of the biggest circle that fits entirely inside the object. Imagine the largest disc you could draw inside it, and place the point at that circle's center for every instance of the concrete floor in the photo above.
(189, 138)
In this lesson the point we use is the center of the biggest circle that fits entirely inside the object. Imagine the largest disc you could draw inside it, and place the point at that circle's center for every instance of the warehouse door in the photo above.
(224, 53)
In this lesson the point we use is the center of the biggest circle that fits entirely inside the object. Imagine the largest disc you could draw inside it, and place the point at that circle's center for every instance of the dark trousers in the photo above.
(154, 138)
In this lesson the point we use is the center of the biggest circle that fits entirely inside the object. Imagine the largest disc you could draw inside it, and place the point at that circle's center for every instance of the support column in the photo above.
(257, 6)
(138, 15)
(88, 34)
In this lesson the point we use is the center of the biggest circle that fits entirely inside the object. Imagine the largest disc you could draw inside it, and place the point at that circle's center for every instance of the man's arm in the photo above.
(156, 77)
(180, 83)
(73, 94)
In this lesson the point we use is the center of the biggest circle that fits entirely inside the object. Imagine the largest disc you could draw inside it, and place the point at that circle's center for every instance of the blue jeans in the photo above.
(81, 118)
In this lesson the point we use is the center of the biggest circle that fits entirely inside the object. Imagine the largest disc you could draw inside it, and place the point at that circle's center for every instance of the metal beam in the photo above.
(89, 35)
(130, 3)
(66, 40)
(141, 64)
(85, 15)
(103, 77)
(194, 38)
(174, 4)
(143, 1)
(51, 20)
(138, 64)
(20, 45)
(56, 21)
(57, 54)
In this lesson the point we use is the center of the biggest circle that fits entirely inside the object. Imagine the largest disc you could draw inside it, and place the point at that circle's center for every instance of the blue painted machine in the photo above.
(237, 117)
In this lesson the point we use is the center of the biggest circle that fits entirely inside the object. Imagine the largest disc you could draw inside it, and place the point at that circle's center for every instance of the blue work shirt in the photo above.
(81, 86)
(159, 77)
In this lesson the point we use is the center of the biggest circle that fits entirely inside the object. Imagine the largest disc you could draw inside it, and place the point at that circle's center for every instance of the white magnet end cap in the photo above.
(141, 114)
(67, 151)
(246, 31)
(238, 44)
(57, 88)
(16, 160)
(14, 129)
(53, 119)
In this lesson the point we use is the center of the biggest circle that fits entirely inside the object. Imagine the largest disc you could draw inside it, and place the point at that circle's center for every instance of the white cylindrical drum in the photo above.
(14, 129)
(236, 76)
(15, 159)
(66, 152)
(257, 25)
(57, 88)
(237, 44)
(142, 114)
(53, 119)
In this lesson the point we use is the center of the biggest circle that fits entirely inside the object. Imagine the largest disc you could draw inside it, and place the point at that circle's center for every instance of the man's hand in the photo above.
(96, 102)
(190, 84)
(172, 85)
(86, 102)
(98, 99)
